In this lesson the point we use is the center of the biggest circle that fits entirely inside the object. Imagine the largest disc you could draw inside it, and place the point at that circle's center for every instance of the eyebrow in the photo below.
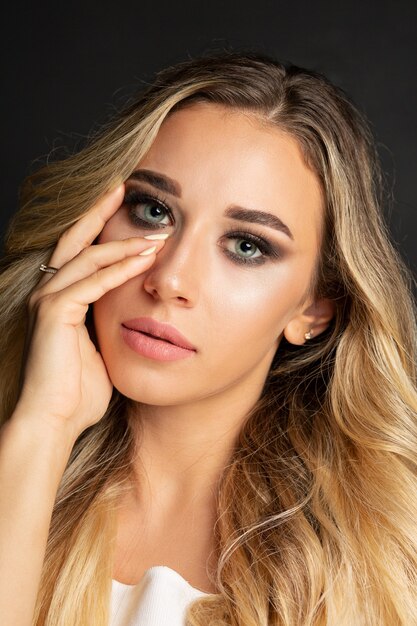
(157, 180)
(168, 185)
(258, 217)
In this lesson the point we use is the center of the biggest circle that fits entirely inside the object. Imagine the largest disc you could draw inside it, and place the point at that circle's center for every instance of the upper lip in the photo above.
(159, 329)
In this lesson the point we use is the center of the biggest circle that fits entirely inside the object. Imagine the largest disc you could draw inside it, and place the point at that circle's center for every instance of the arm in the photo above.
(33, 458)
(34, 447)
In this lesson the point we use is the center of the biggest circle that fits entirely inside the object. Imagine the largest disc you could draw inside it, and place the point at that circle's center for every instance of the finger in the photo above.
(94, 258)
(75, 298)
(81, 234)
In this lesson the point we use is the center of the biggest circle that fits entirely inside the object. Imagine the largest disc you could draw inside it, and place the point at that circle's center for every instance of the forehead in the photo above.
(229, 157)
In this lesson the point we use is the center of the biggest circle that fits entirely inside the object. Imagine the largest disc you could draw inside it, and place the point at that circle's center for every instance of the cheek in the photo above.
(255, 314)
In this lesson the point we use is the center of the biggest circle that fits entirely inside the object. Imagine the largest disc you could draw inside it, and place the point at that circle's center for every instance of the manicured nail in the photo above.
(157, 236)
(148, 251)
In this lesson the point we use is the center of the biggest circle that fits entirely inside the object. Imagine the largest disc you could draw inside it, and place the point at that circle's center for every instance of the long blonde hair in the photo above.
(317, 509)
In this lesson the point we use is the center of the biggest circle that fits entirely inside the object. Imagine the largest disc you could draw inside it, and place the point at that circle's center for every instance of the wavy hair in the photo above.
(317, 508)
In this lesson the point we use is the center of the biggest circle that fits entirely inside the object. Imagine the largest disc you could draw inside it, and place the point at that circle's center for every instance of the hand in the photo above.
(64, 379)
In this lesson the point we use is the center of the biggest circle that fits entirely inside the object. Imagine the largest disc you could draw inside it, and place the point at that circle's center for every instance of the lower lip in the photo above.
(153, 348)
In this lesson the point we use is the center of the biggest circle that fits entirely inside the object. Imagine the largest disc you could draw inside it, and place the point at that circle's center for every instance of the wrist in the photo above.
(48, 428)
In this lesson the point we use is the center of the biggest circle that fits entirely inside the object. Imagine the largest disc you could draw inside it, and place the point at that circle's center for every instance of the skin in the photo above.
(191, 410)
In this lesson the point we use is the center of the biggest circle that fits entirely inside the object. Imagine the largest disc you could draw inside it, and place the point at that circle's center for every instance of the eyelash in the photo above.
(134, 197)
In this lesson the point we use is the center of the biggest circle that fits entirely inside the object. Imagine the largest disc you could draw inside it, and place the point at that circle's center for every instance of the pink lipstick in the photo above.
(156, 340)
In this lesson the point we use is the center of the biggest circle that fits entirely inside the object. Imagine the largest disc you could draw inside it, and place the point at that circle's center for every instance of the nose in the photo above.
(175, 275)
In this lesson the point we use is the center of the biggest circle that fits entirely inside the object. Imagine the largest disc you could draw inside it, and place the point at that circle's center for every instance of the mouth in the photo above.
(160, 331)
(154, 337)
(153, 347)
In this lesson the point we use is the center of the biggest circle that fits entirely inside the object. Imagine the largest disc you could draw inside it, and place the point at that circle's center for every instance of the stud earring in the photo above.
(308, 335)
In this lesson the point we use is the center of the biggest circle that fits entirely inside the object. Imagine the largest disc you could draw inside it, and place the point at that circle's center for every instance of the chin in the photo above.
(155, 393)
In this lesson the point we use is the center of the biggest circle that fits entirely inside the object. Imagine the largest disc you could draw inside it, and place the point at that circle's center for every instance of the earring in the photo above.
(308, 335)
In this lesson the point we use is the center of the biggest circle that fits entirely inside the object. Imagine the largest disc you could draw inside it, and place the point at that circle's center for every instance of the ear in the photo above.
(315, 318)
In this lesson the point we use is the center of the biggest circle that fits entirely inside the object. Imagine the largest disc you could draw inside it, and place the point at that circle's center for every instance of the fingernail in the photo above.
(148, 251)
(158, 236)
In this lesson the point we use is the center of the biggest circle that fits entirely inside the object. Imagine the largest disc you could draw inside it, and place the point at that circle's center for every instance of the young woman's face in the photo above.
(230, 286)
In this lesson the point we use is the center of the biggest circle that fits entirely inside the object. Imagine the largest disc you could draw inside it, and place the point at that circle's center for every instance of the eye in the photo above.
(245, 248)
(152, 210)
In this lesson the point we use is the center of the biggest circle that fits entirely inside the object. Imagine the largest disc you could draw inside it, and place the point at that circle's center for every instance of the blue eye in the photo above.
(154, 210)
(246, 245)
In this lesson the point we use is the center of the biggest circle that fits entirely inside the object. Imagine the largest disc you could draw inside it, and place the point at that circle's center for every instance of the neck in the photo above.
(183, 450)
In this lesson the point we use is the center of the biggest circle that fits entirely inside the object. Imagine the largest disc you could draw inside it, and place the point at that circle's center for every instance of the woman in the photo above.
(255, 464)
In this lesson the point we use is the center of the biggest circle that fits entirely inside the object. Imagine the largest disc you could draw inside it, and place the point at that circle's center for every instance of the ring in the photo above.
(48, 268)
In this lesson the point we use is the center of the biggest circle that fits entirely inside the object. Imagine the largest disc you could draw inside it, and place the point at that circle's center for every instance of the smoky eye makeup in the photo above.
(150, 211)
(159, 208)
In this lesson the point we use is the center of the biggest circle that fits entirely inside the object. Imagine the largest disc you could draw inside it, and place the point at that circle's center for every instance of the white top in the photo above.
(159, 599)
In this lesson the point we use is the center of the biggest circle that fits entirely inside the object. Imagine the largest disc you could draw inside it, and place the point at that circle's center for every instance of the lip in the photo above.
(153, 348)
(159, 330)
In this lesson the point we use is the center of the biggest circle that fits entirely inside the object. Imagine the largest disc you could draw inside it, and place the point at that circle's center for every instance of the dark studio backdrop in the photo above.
(66, 66)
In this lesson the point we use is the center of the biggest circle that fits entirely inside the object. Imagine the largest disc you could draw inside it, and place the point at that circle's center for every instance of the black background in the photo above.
(66, 66)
